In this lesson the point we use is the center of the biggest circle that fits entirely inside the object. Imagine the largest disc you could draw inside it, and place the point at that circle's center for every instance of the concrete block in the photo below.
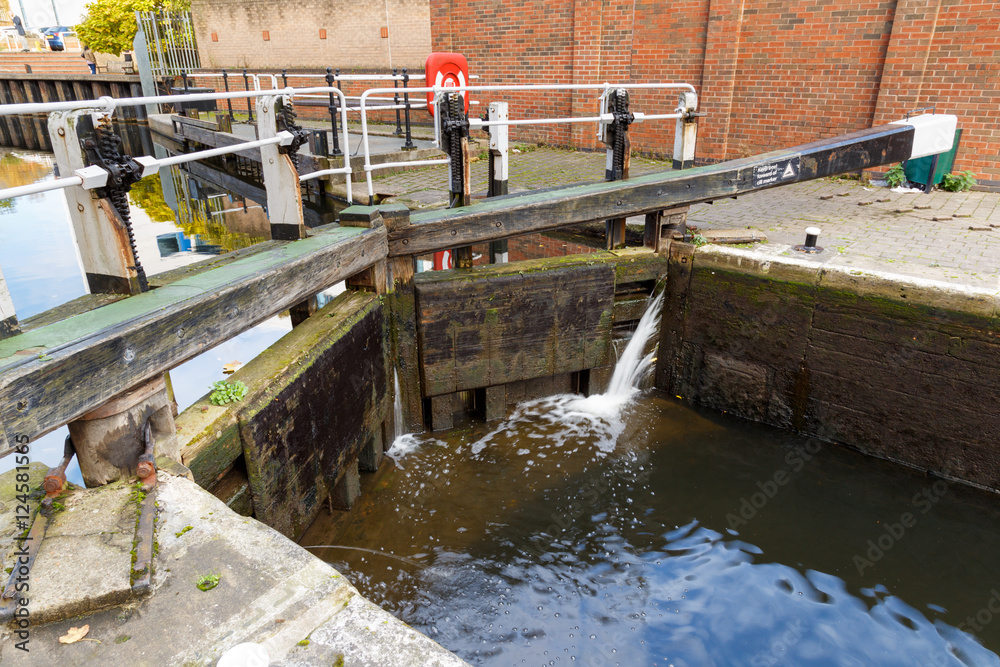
(347, 489)
(442, 411)
(912, 291)
(496, 403)
(371, 455)
(85, 561)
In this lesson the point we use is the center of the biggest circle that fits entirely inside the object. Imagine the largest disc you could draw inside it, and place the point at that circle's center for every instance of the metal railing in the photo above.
(92, 179)
(603, 117)
(170, 41)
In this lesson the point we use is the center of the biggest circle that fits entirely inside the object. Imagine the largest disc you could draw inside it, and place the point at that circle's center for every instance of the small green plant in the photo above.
(699, 240)
(208, 582)
(304, 642)
(183, 530)
(895, 177)
(227, 392)
(958, 182)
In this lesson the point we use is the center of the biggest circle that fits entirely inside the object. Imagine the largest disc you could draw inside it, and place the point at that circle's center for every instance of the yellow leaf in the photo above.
(231, 367)
(74, 635)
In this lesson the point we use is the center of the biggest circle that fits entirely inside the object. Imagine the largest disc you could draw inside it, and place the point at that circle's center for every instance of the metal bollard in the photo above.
(284, 78)
(812, 235)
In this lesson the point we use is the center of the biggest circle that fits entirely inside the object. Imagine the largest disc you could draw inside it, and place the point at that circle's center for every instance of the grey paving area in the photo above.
(953, 237)
(947, 236)
(531, 168)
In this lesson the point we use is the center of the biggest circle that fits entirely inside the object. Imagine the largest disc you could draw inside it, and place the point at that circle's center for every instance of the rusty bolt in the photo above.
(145, 469)
(53, 482)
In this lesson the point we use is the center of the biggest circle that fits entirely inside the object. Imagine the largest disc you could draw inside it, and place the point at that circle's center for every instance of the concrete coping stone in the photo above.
(911, 290)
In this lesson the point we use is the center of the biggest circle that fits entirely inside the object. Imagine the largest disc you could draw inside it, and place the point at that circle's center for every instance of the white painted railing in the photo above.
(603, 117)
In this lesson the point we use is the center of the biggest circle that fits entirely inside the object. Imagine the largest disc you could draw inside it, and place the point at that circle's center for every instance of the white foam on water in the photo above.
(569, 418)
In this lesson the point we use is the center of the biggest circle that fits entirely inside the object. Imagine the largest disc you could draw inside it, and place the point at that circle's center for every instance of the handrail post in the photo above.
(246, 86)
(686, 134)
(499, 163)
(284, 78)
(8, 317)
(408, 146)
(281, 178)
(395, 101)
(101, 235)
(229, 100)
(618, 158)
(330, 79)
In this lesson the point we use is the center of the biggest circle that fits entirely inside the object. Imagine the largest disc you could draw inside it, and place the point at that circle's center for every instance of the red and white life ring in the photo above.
(449, 70)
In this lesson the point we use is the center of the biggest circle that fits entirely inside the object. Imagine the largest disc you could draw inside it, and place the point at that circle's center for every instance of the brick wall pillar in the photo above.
(722, 51)
(587, 29)
(902, 87)
(441, 37)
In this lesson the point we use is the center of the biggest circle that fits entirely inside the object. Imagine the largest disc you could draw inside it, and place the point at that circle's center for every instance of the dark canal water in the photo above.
(665, 535)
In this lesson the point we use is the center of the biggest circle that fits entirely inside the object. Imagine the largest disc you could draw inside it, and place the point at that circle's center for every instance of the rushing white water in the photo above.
(633, 365)
(568, 419)
(397, 406)
(404, 442)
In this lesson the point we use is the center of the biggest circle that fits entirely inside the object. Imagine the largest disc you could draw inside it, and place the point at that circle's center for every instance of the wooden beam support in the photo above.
(503, 217)
(54, 374)
(101, 235)
(399, 278)
(281, 179)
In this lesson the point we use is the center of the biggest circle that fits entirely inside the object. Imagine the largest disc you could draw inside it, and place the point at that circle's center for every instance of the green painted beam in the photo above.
(55, 373)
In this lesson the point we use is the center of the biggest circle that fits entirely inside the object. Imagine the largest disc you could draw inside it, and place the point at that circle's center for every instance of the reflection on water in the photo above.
(697, 539)
(177, 219)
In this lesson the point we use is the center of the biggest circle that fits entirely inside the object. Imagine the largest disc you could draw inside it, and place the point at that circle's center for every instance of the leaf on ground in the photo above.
(231, 367)
(74, 635)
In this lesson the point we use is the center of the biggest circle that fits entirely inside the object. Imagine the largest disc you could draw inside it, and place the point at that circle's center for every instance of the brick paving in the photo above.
(866, 227)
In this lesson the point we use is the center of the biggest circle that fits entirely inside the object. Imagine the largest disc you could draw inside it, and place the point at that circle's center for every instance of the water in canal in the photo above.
(632, 529)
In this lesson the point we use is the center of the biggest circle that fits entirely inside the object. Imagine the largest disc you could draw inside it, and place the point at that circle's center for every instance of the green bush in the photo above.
(895, 177)
(958, 182)
(227, 392)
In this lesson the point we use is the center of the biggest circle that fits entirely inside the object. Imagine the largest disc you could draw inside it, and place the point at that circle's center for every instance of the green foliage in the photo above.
(227, 392)
(699, 240)
(208, 582)
(958, 182)
(895, 177)
(147, 194)
(109, 25)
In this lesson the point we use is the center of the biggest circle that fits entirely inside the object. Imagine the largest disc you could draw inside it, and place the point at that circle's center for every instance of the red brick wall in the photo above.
(770, 75)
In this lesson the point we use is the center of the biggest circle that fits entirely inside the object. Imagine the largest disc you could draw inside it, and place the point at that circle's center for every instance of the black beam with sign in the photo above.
(512, 215)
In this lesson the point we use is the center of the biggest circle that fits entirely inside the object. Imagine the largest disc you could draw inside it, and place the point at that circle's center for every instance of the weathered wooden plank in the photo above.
(496, 324)
(511, 215)
(90, 358)
(307, 428)
(214, 139)
(29, 135)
